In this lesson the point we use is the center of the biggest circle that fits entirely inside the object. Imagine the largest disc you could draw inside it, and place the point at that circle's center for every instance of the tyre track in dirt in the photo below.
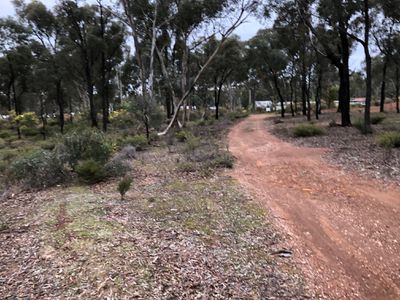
(344, 229)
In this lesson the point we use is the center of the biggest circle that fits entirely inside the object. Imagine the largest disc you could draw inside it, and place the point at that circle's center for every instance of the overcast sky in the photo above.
(245, 32)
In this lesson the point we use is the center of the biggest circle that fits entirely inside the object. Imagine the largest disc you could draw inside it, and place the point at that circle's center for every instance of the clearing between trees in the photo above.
(344, 228)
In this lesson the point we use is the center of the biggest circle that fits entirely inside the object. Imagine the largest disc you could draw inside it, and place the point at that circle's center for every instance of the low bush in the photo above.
(192, 143)
(127, 152)
(124, 185)
(389, 139)
(2, 143)
(186, 167)
(223, 160)
(85, 145)
(8, 154)
(240, 114)
(182, 136)
(138, 141)
(38, 169)
(377, 119)
(4, 134)
(47, 145)
(117, 167)
(307, 130)
(91, 171)
(27, 131)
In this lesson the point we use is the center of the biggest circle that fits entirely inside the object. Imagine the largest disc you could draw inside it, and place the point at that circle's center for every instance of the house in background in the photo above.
(266, 105)
(357, 101)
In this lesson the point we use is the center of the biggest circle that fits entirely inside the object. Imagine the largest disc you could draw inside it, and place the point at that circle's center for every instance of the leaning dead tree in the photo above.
(148, 22)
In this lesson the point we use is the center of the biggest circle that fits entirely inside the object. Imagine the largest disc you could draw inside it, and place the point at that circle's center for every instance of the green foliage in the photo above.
(117, 167)
(138, 141)
(192, 143)
(182, 136)
(8, 154)
(91, 171)
(377, 119)
(28, 119)
(389, 139)
(38, 169)
(27, 131)
(359, 124)
(186, 167)
(122, 118)
(307, 130)
(240, 114)
(223, 160)
(4, 134)
(47, 145)
(85, 145)
(2, 143)
(124, 185)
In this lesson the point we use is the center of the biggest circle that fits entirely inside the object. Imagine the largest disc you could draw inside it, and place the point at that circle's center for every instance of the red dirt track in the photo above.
(344, 229)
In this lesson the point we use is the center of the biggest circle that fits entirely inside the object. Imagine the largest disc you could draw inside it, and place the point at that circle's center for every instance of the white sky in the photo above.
(246, 31)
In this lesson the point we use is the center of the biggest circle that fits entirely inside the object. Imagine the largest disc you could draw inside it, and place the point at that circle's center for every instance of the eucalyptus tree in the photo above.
(181, 22)
(16, 53)
(227, 62)
(49, 53)
(111, 37)
(79, 30)
(269, 61)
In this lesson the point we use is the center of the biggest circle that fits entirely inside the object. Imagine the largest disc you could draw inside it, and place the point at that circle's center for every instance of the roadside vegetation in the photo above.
(173, 226)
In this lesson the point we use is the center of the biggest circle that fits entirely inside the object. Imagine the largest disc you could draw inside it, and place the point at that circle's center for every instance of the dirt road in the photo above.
(344, 230)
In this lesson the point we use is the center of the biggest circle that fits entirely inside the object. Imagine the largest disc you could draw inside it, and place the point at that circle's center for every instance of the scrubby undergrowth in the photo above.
(374, 155)
(174, 236)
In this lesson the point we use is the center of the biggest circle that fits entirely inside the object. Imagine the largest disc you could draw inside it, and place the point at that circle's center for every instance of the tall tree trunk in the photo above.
(291, 97)
(383, 86)
(309, 97)
(367, 114)
(397, 88)
(60, 103)
(104, 100)
(43, 117)
(318, 95)
(304, 85)
(278, 90)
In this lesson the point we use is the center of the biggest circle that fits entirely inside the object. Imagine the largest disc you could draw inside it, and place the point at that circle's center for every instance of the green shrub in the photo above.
(192, 143)
(377, 119)
(3, 166)
(389, 139)
(235, 115)
(124, 185)
(307, 130)
(4, 134)
(2, 143)
(138, 141)
(359, 124)
(154, 137)
(117, 167)
(38, 169)
(47, 145)
(181, 136)
(91, 171)
(27, 131)
(223, 160)
(186, 167)
(8, 154)
(85, 145)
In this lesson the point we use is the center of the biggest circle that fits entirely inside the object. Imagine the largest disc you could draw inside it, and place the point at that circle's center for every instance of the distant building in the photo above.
(358, 101)
(266, 105)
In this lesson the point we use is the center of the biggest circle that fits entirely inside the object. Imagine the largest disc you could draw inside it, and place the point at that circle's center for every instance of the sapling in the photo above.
(124, 186)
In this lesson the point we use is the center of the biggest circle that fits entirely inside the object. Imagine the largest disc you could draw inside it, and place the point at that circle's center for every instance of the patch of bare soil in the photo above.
(176, 236)
(348, 147)
(344, 228)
